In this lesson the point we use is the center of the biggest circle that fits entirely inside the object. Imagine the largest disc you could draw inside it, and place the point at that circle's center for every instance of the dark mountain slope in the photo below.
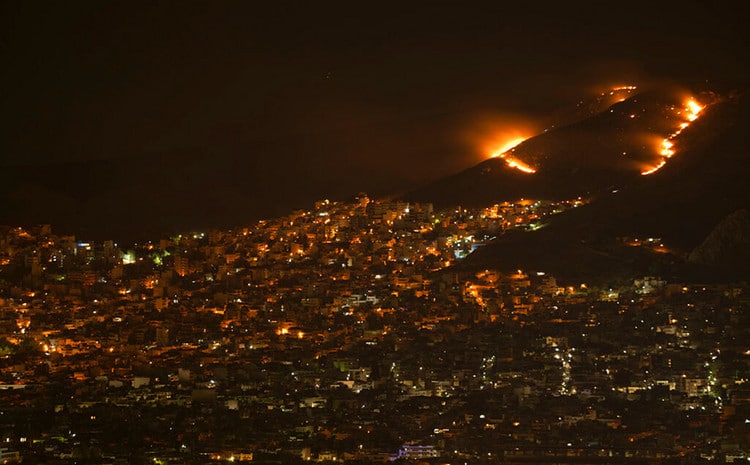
(680, 204)
(585, 158)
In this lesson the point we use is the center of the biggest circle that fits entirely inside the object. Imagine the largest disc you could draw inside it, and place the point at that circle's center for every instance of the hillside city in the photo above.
(347, 334)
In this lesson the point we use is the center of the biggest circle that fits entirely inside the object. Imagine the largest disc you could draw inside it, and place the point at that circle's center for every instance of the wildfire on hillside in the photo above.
(512, 162)
(690, 112)
(515, 163)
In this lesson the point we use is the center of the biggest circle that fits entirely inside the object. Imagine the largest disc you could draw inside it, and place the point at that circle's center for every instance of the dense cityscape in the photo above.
(348, 334)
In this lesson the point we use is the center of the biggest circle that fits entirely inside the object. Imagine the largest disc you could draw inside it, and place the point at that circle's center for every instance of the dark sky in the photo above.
(385, 90)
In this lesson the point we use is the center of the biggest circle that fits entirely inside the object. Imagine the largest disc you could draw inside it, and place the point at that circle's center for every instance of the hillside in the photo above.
(609, 149)
(679, 205)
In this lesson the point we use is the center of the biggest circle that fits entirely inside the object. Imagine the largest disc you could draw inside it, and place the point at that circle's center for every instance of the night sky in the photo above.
(389, 94)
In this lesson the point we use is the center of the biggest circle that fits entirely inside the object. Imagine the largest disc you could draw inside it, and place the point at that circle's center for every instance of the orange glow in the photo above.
(619, 88)
(515, 163)
(613, 90)
(610, 94)
(493, 135)
(694, 109)
(502, 141)
(503, 152)
(666, 148)
(689, 113)
(507, 146)
(654, 169)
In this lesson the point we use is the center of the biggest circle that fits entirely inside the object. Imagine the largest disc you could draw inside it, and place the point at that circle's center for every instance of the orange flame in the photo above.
(515, 163)
(694, 109)
(495, 135)
(690, 113)
(512, 162)
(666, 148)
(654, 169)
(507, 146)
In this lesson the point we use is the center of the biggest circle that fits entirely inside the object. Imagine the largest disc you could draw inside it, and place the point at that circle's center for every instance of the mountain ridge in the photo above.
(579, 159)
(680, 205)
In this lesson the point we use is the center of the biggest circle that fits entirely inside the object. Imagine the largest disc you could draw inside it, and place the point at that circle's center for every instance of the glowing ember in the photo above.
(517, 164)
(654, 169)
(691, 112)
(619, 93)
